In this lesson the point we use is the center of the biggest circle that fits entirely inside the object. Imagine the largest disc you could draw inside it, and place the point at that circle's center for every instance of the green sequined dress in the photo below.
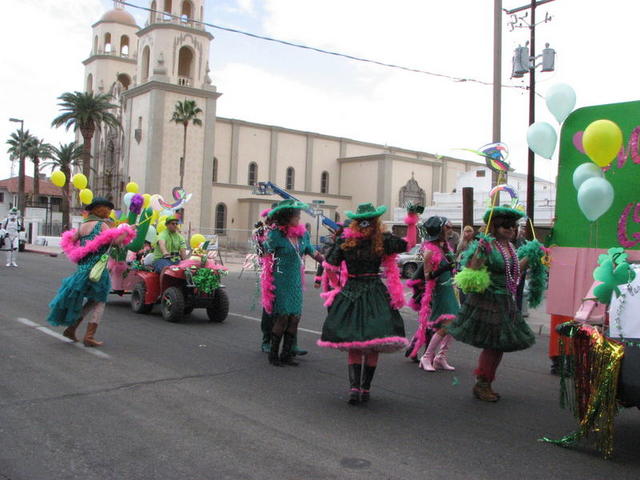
(288, 270)
(68, 302)
(491, 319)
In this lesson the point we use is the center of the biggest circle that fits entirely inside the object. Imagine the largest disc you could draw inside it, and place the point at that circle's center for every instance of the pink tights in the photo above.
(488, 364)
(356, 357)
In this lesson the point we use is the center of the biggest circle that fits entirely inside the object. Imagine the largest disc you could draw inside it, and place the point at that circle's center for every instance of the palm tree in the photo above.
(19, 143)
(86, 112)
(39, 150)
(183, 113)
(65, 157)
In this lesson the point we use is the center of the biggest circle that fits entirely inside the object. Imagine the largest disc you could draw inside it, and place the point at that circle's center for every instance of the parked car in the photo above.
(408, 262)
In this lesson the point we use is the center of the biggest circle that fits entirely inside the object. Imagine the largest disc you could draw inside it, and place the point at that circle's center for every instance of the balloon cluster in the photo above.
(541, 136)
(601, 141)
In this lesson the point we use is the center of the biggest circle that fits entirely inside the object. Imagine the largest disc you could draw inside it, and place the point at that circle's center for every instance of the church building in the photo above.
(149, 69)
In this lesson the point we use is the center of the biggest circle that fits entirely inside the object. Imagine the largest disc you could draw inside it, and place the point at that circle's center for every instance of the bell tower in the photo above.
(174, 39)
(172, 66)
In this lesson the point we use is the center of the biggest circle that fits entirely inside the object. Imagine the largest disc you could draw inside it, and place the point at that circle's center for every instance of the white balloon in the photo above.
(595, 197)
(127, 198)
(542, 139)
(561, 100)
(584, 172)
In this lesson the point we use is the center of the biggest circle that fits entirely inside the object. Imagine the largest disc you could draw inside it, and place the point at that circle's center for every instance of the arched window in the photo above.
(214, 173)
(167, 9)
(290, 180)
(152, 15)
(253, 174)
(124, 46)
(89, 83)
(107, 42)
(185, 66)
(146, 52)
(324, 182)
(125, 80)
(221, 219)
(95, 44)
(186, 12)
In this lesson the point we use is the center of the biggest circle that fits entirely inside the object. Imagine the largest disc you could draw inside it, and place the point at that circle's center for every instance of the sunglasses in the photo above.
(172, 223)
(509, 226)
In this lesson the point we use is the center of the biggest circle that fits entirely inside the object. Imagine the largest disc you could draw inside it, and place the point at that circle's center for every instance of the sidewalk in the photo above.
(43, 250)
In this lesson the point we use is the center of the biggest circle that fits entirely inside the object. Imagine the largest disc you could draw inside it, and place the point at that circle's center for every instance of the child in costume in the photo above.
(489, 318)
(434, 297)
(288, 242)
(86, 246)
(363, 316)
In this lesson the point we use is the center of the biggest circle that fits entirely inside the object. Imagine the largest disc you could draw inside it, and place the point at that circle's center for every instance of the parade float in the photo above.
(179, 289)
(593, 283)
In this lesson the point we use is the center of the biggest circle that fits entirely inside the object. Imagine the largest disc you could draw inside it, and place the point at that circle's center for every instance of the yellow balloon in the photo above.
(147, 200)
(154, 217)
(197, 240)
(132, 187)
(79, 181)
(58, 178)
(602, 141)
(112, 215)
(161, 227)
(86, 196)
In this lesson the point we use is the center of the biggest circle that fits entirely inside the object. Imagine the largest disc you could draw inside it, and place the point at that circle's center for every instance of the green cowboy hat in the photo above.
(366, 210)
(503, 212)
(99, 202)
(288, 203)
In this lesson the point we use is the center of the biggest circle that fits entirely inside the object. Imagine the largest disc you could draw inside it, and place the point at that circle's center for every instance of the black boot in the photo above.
(367, 376)
(274, 358)
(266, 342)
(286, 357)
(355, 372)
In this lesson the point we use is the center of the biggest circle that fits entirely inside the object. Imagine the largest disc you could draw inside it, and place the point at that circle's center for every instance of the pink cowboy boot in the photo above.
(426, 362)
(440, 360)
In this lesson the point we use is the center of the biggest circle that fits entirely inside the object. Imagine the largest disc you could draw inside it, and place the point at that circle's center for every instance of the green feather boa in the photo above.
(533, 251)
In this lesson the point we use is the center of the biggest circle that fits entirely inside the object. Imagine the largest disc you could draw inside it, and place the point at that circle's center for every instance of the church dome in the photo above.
(119, 15)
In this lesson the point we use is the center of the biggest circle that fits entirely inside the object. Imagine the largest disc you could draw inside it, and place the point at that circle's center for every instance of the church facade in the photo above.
(148, 70)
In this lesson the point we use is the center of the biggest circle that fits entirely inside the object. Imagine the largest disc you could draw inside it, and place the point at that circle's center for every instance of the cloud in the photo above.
(40, 60)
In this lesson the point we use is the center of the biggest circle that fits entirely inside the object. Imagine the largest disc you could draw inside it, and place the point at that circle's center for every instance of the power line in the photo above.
(325, 52)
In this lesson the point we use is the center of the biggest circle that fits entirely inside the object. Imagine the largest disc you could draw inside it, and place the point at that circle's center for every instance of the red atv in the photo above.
(193, 283)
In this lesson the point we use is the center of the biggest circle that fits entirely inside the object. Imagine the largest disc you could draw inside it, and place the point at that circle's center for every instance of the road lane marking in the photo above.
(315, 332)
(54, 334)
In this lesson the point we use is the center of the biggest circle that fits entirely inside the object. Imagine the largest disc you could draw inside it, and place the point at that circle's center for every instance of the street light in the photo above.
(17, 120)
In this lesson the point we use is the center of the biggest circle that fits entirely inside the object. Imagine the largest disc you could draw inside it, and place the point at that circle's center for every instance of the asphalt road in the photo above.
(198, 400)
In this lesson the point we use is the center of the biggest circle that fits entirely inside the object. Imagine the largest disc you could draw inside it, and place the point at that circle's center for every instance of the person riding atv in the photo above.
(171, 246)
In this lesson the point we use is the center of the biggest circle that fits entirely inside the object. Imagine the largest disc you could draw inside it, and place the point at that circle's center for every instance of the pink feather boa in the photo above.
(394, 284)
(76, 252)
(293, 232)
(425, 304)
(335, 278)
(350, 233)
(411, 220)
(266, 283)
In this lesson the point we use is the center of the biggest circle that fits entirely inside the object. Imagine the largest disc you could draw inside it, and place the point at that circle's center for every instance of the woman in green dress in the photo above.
(288, 242)
(489, 317)
(363, 317)
(86, 246)
(435, 298)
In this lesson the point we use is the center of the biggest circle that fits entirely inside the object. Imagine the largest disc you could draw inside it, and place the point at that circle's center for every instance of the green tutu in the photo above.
(492, 320)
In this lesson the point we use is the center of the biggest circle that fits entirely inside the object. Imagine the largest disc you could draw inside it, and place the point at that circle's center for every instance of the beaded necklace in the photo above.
(512, 266)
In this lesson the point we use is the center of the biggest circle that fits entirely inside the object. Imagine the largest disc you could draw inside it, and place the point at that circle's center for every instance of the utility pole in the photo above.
(497, 84)
(531, 67)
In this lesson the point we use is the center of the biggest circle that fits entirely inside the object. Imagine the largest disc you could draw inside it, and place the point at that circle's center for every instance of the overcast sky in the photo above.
(45, 41)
